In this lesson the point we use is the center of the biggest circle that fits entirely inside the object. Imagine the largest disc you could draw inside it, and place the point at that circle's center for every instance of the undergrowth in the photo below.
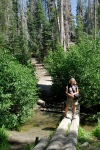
(93, 138)
(3, 139)
(96, 131)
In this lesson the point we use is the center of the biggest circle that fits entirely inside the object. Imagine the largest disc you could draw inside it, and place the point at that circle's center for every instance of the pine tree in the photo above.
(39, 29)
(79, 19)
(98, 14)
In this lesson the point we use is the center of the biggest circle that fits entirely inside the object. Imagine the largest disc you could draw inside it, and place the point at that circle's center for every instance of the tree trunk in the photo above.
(95, 20)
(57, 17)
(61, 23)
(67, 15)
(48, 3)
(24, 22)
(89, 26)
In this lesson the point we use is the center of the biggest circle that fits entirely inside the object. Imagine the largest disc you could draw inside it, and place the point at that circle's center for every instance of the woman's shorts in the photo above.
(71, 101)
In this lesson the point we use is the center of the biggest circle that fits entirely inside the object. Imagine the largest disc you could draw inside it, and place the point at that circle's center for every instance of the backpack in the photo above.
(76, 96)
(69, 86)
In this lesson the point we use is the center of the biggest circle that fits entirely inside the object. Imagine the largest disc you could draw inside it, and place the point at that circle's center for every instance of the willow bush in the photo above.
(4, 145)
(82, 61)
(18, 92)
(96, 131)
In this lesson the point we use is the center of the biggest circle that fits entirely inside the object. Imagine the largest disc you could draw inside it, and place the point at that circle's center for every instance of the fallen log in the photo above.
(59, 137)
(65, 137)
(71, 141)
(51, 110)
(42, 144)
(66, 134)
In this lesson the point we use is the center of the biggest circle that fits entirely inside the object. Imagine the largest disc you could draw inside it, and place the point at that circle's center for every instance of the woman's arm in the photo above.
(77, 91)
(68, 94)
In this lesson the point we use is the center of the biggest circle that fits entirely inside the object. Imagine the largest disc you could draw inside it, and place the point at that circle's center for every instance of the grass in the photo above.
(68, 129)
(96, 131)
(93, 138)
(29, 146)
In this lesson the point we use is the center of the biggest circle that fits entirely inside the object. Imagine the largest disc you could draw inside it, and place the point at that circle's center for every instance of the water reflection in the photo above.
(42, 123)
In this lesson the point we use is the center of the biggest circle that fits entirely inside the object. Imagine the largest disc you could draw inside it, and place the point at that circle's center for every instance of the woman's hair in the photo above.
(72, 79)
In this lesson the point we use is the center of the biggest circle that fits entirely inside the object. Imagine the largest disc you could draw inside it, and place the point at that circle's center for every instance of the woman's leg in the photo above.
(74, 108)
(66, 109)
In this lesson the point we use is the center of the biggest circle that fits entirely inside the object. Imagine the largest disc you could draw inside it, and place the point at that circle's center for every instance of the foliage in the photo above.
(2, 40)
(12, 31)
(39, 29)
(29, 146)
(22, 53)
(53, 63)
(96, 131)
(17, 91)
(3, 139)
(81, 62)
(83, 136)
(85, 17)
(93, 117)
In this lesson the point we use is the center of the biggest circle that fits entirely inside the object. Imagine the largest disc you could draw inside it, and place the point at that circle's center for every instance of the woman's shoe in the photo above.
(73, 116)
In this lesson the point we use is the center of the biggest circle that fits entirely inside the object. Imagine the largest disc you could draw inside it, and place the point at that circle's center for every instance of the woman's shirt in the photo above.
(72, 89)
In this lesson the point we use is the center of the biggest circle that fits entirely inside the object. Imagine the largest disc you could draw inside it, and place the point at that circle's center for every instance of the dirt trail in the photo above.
(42, 123)
(44, 80)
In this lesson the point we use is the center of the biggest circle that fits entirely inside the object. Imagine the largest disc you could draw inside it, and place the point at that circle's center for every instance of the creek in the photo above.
(42, 123)
(86, 123)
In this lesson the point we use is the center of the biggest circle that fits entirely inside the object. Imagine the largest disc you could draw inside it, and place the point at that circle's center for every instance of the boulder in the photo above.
(85, 144)
(41, 102)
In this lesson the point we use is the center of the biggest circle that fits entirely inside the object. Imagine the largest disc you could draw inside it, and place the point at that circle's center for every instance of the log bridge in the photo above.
(65, 137)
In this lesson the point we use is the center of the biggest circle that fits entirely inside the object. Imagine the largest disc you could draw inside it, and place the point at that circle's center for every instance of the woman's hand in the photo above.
(72, 95)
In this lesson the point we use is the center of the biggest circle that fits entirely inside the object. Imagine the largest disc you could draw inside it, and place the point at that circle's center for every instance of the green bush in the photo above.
(3, 139)
(29, 146)
(83, 136)
(55, 63)
(18, 92)
(81, 62)
(96, 131)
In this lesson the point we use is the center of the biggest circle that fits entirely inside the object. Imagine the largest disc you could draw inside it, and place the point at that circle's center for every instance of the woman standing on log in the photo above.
(72, 93)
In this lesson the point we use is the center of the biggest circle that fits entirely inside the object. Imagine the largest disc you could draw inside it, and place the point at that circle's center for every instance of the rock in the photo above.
(41, 102)
(85, 144)
(37, 107)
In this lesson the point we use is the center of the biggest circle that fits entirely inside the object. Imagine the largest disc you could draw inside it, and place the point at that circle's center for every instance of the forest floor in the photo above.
(42, 124)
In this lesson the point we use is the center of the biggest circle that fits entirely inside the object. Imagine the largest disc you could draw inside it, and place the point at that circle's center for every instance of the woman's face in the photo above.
(72, 82)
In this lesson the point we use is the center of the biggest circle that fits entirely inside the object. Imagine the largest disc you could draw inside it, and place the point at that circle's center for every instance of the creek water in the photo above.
(86, 123)
(88, 128)
(42, 123)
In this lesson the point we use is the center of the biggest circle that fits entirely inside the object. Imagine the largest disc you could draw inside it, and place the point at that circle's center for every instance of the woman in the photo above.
(71, 90)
